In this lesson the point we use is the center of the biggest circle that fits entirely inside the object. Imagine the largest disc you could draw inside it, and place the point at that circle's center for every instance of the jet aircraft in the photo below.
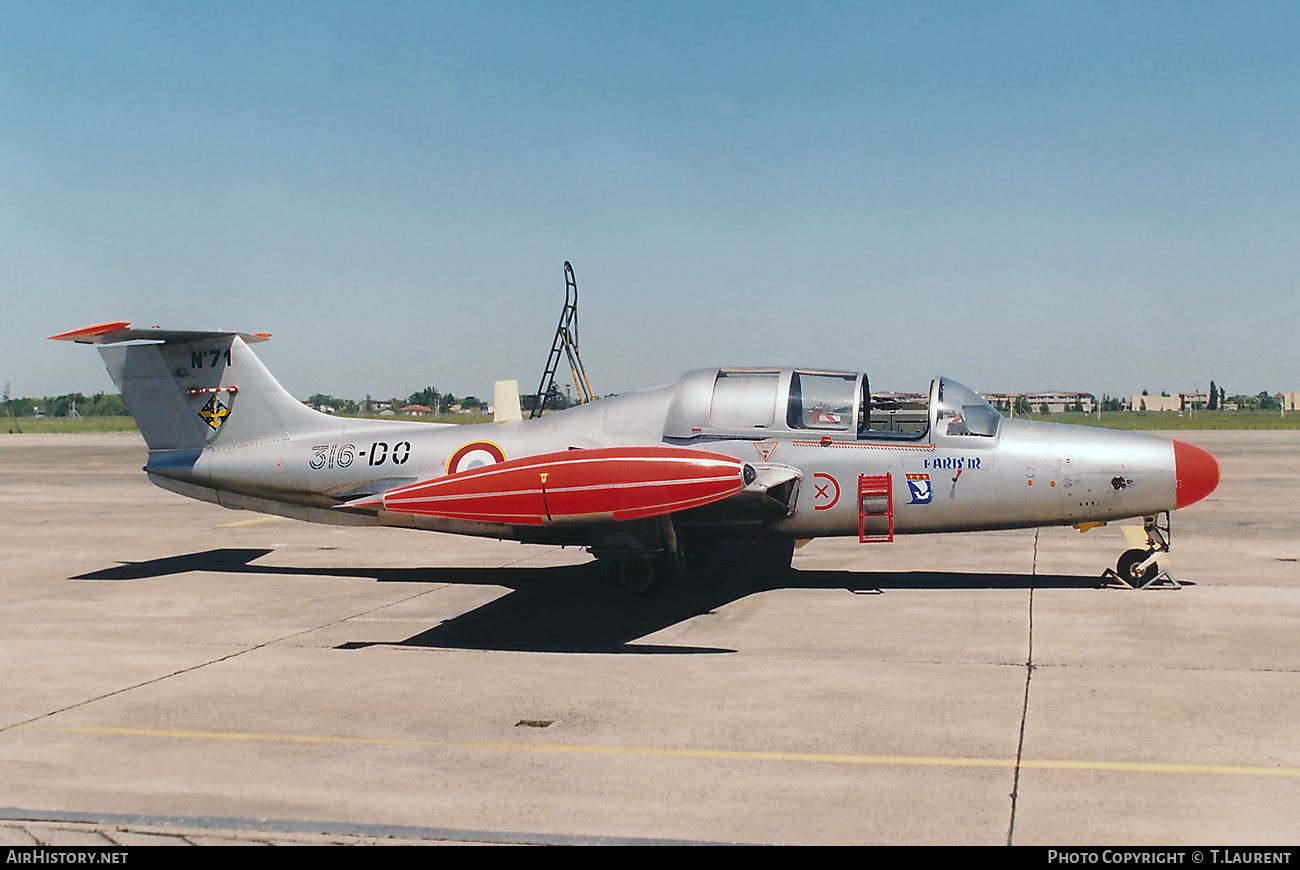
(647, 480)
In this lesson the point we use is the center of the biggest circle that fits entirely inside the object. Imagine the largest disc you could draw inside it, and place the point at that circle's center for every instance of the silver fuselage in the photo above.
(1012, 474)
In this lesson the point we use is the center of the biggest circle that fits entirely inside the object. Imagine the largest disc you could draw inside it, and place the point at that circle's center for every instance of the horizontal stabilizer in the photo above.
(574, 486)
(118, 331)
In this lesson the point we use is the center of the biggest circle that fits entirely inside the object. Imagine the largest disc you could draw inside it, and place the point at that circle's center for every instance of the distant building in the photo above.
(1055, 400)
(1157, 403)
(1180, 402)
(1291, 401)
(415, 410)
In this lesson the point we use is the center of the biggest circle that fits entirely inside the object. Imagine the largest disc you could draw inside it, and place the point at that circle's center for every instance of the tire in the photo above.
(637, 575)
(1128, 570)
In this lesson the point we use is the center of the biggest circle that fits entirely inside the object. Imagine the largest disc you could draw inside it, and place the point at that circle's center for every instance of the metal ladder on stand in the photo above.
(566, 342)
(875, 499)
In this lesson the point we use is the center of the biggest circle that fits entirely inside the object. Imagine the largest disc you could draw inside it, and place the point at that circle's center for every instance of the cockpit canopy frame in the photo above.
(816, 403)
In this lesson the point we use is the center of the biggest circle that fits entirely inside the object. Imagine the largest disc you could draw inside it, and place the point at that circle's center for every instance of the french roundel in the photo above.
(476, 454)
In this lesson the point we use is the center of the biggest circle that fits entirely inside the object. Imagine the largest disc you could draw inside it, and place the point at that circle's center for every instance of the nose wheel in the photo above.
(1138, 568)
(1135, 568)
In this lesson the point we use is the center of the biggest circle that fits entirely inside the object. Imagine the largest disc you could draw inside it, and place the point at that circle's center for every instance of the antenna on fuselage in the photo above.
(566, 342)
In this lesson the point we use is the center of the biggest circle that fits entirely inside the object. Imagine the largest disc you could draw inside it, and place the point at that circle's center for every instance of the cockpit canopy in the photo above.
(959, 410)
(732, 402)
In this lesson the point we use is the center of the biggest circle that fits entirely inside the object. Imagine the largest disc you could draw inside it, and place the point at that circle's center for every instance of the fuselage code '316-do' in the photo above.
(642, 479)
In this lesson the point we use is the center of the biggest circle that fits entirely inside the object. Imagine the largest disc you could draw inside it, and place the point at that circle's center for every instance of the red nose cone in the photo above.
(1196, 471)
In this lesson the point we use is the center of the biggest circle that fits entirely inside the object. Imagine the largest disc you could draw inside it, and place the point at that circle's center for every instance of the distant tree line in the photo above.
(1111, 403)
(1218, 399)
(98, 405)
(429, 397)
(554, 401)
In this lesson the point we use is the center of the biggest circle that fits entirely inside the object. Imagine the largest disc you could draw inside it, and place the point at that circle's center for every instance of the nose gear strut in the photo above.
(1137, 568)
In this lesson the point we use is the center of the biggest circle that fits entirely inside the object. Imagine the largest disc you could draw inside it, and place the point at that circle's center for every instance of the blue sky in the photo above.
(1093, 196)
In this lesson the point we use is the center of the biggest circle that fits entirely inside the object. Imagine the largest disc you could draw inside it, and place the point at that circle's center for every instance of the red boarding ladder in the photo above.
(875, 499)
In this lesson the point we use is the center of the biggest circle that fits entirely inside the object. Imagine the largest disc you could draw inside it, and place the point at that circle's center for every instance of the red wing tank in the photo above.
(645, 478)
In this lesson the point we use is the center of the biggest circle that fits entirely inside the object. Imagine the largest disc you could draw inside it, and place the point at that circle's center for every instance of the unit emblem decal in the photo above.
(919, 486)
(214, 413)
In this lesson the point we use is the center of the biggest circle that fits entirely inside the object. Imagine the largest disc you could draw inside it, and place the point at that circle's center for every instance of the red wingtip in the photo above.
(1197, 473)
(91, 331)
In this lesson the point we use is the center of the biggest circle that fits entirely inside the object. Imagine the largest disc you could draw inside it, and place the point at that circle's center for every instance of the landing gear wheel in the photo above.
(635, 574)
(1128, 570)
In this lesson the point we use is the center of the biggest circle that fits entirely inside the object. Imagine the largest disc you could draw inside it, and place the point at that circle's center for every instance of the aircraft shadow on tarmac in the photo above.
(579, 608)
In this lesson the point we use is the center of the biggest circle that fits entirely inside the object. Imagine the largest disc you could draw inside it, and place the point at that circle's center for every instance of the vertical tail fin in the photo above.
(505, 402)
(189, 390)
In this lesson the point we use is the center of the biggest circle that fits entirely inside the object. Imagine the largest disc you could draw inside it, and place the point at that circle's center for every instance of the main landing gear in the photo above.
(1137, 568)
(638, 553)
(639, 574)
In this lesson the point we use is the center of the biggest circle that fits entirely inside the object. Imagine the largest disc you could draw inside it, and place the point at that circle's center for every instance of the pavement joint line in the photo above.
(528, 558)
(710, 754)
(188, 828)
(210, 662)
(1024, 709)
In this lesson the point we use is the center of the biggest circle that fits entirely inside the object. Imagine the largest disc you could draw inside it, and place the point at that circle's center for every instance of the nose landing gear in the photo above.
(1137, 568)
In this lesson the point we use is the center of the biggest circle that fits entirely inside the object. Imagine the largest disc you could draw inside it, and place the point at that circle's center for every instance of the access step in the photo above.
(875, 501)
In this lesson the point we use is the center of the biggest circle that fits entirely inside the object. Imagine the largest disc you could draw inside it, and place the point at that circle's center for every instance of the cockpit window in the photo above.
(961, 411)
(744, 399)
(822, 401)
